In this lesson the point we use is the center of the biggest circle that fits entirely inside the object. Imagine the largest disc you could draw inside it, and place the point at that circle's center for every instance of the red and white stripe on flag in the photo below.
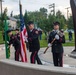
(23, 38)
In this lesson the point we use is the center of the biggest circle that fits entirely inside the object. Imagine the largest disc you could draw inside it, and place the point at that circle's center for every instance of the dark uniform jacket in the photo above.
(57, 44)
(33, 40)
(17, 36)
(16, 43)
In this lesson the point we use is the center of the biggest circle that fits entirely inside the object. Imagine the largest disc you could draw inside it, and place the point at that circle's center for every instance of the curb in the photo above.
(73, 55)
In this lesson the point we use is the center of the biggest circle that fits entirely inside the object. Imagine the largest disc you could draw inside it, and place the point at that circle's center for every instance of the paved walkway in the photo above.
(68, 61)
(46, 58)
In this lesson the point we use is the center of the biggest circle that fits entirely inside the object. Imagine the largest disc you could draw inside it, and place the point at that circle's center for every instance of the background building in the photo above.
(12, 23)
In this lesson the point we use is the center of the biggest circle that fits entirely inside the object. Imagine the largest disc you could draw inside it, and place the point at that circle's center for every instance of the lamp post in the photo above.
(53, 8)
(67, 11)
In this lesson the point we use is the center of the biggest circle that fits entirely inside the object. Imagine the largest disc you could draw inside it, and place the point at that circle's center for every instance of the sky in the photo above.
(33, 5)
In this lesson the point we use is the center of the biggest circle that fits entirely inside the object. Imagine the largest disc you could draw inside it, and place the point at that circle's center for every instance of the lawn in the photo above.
(71, 43)
(67, 38)
(43, 42)
(1, 38)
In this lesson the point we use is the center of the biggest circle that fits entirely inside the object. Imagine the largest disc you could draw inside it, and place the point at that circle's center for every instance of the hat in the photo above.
(30, 22)
(17, 29)
(8, 31)
(56, 23)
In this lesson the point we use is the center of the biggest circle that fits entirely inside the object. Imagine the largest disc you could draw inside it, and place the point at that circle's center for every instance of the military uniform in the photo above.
(34, 45)
(16, 43)
(57, 48)
(17, 36)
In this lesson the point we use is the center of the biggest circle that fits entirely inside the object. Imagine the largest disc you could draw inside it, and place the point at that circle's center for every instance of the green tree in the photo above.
(43, 11)
(2, 18)
(70, 23)
(51, 19)
(61, 19)
(17, 16)
(38, 17)
(26, 19)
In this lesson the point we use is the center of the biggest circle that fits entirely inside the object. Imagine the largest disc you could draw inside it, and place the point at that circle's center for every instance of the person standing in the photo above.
(57, 48)
(34, 44)
(16, 43)
(70, 35)
(17, 34)
(40, 34)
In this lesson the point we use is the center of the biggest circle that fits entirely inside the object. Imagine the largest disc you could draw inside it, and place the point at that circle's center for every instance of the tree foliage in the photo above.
(43, 20)
(60, 18)
(70, 23)
(2, 18)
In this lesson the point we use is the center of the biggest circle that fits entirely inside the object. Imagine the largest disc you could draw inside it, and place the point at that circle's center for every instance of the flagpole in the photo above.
(20, 6)
(22, 34)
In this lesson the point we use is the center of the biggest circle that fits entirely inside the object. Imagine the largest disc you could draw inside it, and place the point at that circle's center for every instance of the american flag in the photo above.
(23, 36)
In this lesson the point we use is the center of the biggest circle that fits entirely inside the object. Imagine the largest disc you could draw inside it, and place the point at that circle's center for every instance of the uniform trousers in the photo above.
(58, 59)
(17, 54)
(34, 57)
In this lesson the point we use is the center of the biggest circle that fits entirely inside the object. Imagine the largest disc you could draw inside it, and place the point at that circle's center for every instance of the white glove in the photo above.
(49, 45)
(57, 37)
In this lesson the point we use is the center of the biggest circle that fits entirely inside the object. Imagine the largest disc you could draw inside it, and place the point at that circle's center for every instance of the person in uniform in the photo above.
(57, 48)
(34, 44)
(40, 34)
(70, 35)
(16, 43)
(17, 34)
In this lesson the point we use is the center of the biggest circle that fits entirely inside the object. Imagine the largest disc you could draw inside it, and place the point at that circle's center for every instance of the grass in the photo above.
(67, 37)
(69, 44)
(67, 40)
(43, 42)
(1, 38)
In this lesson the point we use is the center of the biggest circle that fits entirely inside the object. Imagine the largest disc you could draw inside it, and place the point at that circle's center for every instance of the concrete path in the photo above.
(68, 61)
(45, 58)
